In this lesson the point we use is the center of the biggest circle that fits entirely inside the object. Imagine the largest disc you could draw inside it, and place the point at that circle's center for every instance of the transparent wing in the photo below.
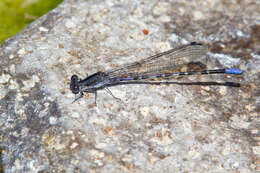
(161, 62)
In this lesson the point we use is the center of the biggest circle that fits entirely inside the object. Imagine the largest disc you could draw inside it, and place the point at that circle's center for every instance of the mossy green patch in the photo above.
(16, 14)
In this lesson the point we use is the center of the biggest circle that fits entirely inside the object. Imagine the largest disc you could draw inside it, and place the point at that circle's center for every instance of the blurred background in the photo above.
(16, 14)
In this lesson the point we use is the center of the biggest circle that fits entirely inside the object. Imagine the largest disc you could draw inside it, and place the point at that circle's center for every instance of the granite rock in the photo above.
(157, 128)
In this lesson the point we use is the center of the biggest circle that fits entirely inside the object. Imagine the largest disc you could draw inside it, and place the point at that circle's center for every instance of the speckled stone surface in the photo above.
(159, 128)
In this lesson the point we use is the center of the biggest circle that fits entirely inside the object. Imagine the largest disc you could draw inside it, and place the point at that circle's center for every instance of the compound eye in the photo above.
(74, 78)
(74, 84)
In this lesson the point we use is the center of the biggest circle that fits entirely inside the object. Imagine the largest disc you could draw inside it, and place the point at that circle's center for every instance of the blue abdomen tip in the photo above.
(234, 71)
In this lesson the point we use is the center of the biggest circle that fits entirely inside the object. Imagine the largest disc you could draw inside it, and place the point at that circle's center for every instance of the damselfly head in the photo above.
(74, 84)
